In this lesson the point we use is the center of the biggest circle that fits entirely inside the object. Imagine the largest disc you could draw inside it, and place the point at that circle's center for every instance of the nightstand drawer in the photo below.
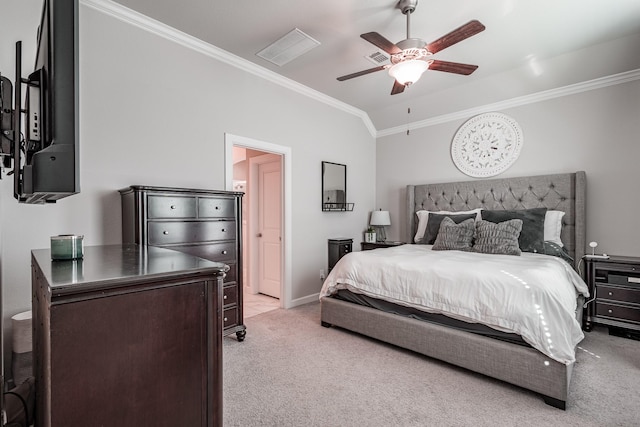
(618, 294)
(165, 233)
(216, 208)
(171, 207)
(614, 311)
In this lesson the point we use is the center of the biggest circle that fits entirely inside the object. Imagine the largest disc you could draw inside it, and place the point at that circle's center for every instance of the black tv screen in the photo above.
(46, 162)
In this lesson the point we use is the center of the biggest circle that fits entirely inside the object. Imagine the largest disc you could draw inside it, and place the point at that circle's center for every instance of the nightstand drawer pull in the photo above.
(610, 311)
(165, 232)
(224, 297)
(610, 294)
(224, 252)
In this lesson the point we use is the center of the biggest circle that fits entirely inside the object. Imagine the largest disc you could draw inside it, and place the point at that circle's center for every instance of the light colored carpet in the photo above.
(290, 371)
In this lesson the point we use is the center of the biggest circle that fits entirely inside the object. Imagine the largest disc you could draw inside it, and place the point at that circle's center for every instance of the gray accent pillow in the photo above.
(498, 238)
(532, 235)
(456, 237)
(433, 225)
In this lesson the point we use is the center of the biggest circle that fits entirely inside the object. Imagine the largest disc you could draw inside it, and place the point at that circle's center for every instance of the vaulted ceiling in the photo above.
(527, 48)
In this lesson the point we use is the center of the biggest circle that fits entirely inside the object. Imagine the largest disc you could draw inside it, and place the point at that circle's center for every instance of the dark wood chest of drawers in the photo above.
(614, 285)
(205, 223)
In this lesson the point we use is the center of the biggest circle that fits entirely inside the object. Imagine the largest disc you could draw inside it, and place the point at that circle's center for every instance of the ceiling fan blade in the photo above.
(361, 73)
(384, 44)
(452, 67)
(469, 29)
(397, 88)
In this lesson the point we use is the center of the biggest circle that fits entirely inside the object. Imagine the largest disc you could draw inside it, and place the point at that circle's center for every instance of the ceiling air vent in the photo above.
(378, 58)
(288, 47)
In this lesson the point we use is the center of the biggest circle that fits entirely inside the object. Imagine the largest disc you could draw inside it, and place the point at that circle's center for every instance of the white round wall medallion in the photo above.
(486, 145)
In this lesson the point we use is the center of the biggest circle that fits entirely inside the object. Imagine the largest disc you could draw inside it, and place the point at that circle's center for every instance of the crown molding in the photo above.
(572, 89)
(146, 23)
(129, 16)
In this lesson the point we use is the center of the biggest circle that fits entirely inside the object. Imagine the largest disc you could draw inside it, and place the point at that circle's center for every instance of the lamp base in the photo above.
(380, 234)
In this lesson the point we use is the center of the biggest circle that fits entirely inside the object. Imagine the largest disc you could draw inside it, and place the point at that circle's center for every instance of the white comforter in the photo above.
(532, 295)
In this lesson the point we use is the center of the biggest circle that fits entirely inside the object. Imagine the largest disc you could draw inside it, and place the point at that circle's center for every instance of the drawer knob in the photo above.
(217, 208)
(224, 252)
(610, 311)
(173, 206)
(224, 297)
(225, 319)
(165, 232)
(223, 230)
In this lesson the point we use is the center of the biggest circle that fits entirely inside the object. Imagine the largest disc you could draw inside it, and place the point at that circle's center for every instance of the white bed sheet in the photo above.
(532, 295)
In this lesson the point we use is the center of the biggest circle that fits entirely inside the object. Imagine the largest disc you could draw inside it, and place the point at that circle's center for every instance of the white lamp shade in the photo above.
(380, 218)
(408, 72)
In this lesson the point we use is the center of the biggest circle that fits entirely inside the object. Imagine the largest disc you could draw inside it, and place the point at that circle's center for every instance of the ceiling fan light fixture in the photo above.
(408, 72)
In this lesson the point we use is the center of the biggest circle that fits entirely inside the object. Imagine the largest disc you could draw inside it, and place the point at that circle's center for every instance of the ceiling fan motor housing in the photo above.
(411, 49)
(407, 6)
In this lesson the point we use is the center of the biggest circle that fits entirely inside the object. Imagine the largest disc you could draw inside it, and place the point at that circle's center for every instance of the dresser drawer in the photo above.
(618, 294)
(209, 207)
(171, 207)
(165, 233)
(614, 311)
(230, 317)
(219, 252)
(229, 295)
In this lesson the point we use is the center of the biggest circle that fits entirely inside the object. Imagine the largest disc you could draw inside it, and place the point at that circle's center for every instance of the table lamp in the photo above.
(379, 219)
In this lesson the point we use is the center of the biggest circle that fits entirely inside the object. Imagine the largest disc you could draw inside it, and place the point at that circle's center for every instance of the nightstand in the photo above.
(614, 285)
(337, 249)
(367, 246)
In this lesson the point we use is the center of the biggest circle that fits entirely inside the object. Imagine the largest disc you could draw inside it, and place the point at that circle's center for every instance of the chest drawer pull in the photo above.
(165, 232)
(610, 294)
(225, 319)
(610, 311)
(224, 297)
(173, 207)
(224, 229)
(224, 252)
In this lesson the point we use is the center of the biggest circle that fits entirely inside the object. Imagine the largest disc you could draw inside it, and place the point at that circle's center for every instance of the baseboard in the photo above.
(305, 300)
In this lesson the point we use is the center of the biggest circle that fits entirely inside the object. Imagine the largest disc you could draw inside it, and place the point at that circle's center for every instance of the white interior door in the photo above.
(269, 226)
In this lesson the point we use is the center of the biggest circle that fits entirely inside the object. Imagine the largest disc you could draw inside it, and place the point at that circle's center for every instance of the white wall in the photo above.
(153, 112)
(595, 131)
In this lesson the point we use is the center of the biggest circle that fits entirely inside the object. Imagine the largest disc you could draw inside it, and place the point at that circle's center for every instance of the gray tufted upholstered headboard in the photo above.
(564, 192)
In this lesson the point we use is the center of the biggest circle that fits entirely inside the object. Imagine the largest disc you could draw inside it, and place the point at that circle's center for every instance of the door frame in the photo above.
(230, 141)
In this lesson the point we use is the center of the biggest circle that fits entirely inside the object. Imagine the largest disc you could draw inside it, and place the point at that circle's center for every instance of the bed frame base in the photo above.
(515, 364)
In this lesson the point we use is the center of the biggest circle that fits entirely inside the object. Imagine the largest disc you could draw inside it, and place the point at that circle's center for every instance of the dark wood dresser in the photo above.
(129, 335)
(205, 223)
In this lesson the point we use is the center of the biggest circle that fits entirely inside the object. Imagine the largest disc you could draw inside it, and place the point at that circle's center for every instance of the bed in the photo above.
(493, 351)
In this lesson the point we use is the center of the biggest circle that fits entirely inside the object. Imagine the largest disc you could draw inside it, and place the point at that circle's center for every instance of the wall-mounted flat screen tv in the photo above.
(45, 155)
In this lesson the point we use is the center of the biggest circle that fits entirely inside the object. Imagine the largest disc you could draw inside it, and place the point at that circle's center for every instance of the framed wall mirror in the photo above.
(334, 187)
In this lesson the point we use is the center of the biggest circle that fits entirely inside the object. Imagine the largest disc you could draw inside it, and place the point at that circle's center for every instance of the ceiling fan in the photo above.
(411, 57)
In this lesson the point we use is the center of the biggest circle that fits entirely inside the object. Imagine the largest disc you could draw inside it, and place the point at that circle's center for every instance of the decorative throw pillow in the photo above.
(433, 225)
(532, 235)
(498, 238)
(456, 237)
(423, 217)
(552, 248)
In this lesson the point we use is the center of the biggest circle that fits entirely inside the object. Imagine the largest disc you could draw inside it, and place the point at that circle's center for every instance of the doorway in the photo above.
(259, 169)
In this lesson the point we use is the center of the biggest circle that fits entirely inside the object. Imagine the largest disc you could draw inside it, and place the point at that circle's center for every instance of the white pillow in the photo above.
(423, 217)
(553, 227)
